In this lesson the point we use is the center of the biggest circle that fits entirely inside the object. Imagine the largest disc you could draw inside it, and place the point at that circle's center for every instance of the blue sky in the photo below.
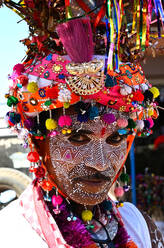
(11, 50)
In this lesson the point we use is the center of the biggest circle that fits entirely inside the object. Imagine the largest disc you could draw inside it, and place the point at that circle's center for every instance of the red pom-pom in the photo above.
(22, 79)
(39, 172)
(51, 93)
(138, 96)
(119, 191)
(33, 157)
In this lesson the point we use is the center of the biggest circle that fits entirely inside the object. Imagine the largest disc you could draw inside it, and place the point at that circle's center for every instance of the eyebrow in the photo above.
(82, 131)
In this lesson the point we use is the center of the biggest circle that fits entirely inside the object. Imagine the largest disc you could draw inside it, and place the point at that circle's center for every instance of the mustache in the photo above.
(82, 171)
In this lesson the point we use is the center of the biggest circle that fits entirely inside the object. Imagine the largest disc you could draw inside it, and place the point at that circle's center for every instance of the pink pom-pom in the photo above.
(22, 79)
(109, 118)
(53, 133)
(122, 123)
(56, 200)
(119, 191)
(18, 68)
(64, 120)
(150, 120)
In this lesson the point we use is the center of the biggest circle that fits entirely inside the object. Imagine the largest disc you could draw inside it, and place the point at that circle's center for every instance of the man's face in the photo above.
(85, 163)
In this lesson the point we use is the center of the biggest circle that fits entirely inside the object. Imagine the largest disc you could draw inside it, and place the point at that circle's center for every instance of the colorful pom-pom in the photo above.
(119, 191)
(22, 80)
(122, 123)
(109, 118)
(155, 92)
(86, 215)
(94, 112)
(131, 123)
(83, 117)
(29, 123)
(151, 122)
(32, 87)
(124, 177)
(33, 157)
(56, 200)
(12, 100)
(18, 68)
(52, 93)
(148, 96)
(51, 124)
(66, 105)
(107, 205)
(64, 120)
(139, 124)
(146, 124)
(150, 111)
(125, 90)
(138, 96)
(46, 185)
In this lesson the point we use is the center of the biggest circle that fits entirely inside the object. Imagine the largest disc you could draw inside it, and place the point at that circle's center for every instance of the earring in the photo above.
(71, 217)
(119, 191)
(87, 216)
(56, 201)
(124, 177)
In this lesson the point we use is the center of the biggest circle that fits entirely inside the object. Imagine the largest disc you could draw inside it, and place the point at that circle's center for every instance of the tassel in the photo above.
(76, 36)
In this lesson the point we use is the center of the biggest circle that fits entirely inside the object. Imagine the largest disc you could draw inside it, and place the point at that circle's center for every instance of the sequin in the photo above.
(46, 74)
(61, 76)
(49, 57)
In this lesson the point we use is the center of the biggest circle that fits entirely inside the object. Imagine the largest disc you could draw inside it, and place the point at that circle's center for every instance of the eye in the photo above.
(79, 139)
(114, 139)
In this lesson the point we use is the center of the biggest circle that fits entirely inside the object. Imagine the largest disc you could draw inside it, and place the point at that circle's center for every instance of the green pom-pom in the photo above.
(131, 124)
(48, 103)
(12, 100)
(124, 177)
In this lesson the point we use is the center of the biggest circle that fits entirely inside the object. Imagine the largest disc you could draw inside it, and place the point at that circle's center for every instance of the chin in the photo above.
(88, 199)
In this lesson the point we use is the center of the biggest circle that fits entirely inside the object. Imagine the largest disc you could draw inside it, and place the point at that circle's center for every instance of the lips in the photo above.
(93, 180)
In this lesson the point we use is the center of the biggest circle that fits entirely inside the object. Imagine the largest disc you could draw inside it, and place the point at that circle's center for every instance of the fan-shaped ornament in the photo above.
(87, 78)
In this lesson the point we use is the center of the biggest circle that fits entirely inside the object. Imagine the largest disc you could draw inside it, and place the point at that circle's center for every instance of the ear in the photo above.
(40, 146)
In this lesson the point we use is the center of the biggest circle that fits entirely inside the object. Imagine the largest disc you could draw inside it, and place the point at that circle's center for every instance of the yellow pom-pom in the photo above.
(51, 124)
(155, 92)
(66, 105)
(32, 87)
(87, 215)
(121, 204)
(69, 131)
(150, 112)
(64, 131)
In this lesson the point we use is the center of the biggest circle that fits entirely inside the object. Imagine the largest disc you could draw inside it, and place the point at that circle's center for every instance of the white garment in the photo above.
(135, 225)
(16, 232)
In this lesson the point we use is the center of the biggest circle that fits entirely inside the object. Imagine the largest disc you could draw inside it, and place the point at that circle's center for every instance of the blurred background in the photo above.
(148, 151)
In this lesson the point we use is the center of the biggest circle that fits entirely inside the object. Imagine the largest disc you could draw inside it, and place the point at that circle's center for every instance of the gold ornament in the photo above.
(87, 78)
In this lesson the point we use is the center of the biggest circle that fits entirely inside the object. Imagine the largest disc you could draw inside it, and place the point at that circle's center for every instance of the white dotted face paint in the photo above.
(85, 171)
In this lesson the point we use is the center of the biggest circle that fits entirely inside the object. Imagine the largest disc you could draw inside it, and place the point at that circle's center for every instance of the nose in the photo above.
(97, 156)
